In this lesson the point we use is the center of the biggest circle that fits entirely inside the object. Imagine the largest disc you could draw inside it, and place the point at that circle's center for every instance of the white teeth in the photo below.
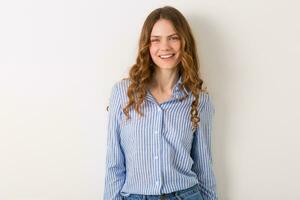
(166, 56)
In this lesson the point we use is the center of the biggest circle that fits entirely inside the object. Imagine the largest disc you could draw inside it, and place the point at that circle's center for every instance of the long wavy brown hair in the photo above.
(140, 74)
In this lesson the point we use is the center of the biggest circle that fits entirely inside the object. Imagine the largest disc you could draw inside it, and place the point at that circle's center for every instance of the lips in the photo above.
(165, 56)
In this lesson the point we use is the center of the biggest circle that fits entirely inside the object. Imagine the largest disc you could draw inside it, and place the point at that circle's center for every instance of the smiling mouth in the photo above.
(167, 56)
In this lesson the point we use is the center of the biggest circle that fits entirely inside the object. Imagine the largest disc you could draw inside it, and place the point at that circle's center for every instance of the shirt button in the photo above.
(156, 182)
(156, 157)
(156, 132)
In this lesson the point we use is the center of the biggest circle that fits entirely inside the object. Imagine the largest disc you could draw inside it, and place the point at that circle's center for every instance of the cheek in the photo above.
(152, 52)
(177, 46)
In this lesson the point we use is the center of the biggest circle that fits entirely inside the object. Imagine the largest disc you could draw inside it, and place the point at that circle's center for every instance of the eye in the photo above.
(174, 38)
(154, 40)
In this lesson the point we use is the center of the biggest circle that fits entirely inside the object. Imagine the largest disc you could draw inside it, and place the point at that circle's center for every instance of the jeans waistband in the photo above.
(181, 193)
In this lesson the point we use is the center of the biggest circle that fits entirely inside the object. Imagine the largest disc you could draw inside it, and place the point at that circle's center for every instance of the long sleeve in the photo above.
(115, 163)
(201, 150)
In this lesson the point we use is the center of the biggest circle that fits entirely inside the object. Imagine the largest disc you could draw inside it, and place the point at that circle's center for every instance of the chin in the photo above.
(167, 66)
(164, 66)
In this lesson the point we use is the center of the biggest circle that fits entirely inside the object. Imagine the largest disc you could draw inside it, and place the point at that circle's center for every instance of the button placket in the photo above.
(156, 132)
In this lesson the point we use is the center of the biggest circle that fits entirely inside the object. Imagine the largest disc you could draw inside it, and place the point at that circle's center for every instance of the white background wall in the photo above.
(59, 60)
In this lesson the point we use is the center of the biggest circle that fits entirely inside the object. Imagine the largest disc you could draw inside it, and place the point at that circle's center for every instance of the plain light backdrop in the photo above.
(60, 58)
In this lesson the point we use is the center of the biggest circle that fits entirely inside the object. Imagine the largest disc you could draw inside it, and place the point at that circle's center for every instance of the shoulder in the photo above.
(206, 104)
(120, 85)
(123, 84)
(119, 90)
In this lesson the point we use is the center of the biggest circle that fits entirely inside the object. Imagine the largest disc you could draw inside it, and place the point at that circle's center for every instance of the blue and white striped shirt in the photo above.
(158, 153)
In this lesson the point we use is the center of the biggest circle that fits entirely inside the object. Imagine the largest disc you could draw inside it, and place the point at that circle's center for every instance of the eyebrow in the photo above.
(167, 36)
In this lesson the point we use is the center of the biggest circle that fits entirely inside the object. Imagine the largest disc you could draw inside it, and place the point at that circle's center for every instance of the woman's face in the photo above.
(164, 44)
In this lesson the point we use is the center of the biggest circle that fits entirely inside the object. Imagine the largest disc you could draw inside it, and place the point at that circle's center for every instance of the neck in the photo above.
(164, 81)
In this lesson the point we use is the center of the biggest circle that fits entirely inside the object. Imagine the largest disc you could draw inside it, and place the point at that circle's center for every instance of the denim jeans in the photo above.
(192, 193)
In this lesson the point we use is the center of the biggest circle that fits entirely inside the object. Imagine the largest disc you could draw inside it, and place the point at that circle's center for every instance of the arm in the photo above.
(115, 163)
(201, 150)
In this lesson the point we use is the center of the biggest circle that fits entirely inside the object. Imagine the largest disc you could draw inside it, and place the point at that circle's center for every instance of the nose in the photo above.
(165, 45)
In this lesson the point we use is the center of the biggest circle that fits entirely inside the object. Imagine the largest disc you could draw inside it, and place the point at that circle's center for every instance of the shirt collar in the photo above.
(177, 93)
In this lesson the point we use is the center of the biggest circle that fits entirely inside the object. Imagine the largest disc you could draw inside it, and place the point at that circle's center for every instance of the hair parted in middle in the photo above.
(140, 74)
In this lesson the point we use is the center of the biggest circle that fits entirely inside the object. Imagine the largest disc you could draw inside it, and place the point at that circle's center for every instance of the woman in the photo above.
(160, 119)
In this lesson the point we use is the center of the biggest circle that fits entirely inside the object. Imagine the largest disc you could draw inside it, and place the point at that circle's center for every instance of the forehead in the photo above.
(163, 27)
